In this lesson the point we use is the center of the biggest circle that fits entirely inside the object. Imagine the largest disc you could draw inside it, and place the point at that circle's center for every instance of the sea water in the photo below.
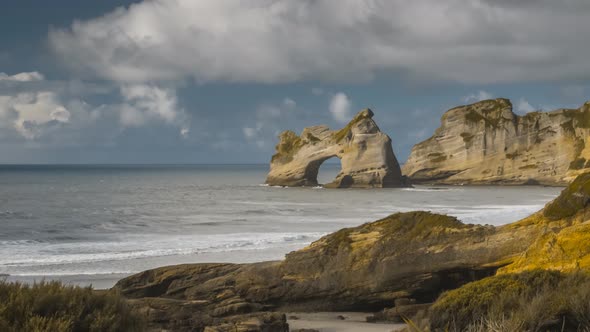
(78, 223)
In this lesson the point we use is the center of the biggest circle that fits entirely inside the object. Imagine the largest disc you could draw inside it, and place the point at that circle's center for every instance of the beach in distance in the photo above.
(95, 224)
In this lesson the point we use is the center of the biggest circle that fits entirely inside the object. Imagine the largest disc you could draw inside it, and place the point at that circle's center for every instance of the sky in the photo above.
(200, 81)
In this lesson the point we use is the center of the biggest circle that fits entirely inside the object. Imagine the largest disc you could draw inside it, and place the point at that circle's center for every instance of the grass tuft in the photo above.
(52, 306)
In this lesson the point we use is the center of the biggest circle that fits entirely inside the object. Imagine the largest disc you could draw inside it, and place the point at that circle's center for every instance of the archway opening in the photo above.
(328, 170)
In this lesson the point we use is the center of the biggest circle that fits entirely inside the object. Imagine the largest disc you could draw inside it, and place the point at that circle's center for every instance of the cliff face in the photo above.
(366, 156)
(486, 143)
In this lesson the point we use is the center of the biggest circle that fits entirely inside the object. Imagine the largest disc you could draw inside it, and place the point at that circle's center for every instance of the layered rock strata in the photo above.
(365, 152)
(486, 143)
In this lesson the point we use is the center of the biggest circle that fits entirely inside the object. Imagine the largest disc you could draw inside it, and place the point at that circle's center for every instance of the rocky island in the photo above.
(400, 264)
(365, 152)
(486, 143)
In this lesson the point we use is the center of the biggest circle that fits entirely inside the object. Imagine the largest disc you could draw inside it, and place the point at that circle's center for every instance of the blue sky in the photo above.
(196, 81)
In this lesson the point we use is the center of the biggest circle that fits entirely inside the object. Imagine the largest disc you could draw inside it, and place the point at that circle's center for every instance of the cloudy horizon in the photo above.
(187, 81)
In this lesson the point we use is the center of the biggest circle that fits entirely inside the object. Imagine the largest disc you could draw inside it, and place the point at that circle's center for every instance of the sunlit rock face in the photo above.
(365, 152)
(486, 143)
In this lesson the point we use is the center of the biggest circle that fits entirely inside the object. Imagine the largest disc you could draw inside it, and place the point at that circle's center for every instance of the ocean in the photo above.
(96, 224)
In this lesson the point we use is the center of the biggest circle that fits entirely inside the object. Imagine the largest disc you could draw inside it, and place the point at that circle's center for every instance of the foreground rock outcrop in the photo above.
(486, 143)
(365, 152)
(406, 259)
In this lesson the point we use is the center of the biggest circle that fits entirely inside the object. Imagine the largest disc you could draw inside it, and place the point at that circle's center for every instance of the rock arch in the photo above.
(365, 153)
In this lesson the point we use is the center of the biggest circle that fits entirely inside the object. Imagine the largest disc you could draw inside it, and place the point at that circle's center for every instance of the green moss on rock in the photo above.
(344, 132)
(572, 199)
(418, 224)
(289, 144)
(580, 117)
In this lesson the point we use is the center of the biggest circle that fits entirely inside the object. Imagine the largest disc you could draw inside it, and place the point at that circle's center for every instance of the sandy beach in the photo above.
(333, 321)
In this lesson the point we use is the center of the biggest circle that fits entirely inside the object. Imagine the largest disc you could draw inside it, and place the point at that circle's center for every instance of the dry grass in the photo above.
(52, 306)
(538, 300)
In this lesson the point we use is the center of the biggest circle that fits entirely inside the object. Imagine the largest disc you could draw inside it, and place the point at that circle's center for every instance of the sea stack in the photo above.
(486, 143)
(365, 152)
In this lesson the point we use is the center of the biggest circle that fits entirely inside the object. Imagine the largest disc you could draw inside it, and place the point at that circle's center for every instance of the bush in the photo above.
(537, 300)
(52, 306)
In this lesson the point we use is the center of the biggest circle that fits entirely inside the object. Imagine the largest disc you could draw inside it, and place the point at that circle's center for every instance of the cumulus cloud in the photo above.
(284, 40)
(30, 113)
(48, 111)
(144, 103)
(340, 107)
(22, 77)
(523, 106)
(479, 96)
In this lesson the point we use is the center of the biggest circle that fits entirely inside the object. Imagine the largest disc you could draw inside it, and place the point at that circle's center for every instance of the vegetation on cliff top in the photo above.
(581, 116)
(537, 300)
(407, 225)
(289, 144)
(343, 133)
(52, 306)
(572, 199)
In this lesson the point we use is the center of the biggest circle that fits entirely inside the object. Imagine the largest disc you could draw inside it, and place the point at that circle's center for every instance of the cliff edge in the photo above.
(486, 143)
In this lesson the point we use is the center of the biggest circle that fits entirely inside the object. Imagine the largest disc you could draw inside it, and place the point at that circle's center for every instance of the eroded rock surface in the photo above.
(366, 156)
(406, 259)
(486, 143)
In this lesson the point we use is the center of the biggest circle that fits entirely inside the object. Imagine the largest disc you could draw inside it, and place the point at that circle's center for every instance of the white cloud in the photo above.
(479, 96)
(185, 132)
(285, 40)
(27, 113)
(523, 106)
(340, 107)
(48, 111)
(146, 102)
(22, 77)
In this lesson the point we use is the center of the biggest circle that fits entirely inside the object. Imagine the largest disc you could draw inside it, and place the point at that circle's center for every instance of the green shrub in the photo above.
(539, 300)
(52, 306)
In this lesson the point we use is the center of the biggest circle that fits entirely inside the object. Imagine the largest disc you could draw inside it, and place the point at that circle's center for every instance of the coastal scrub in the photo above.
(52, 306)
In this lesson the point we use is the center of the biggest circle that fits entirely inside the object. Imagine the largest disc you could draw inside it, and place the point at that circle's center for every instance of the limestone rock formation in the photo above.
(366, 156)
(486, 143)
(409, 257)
